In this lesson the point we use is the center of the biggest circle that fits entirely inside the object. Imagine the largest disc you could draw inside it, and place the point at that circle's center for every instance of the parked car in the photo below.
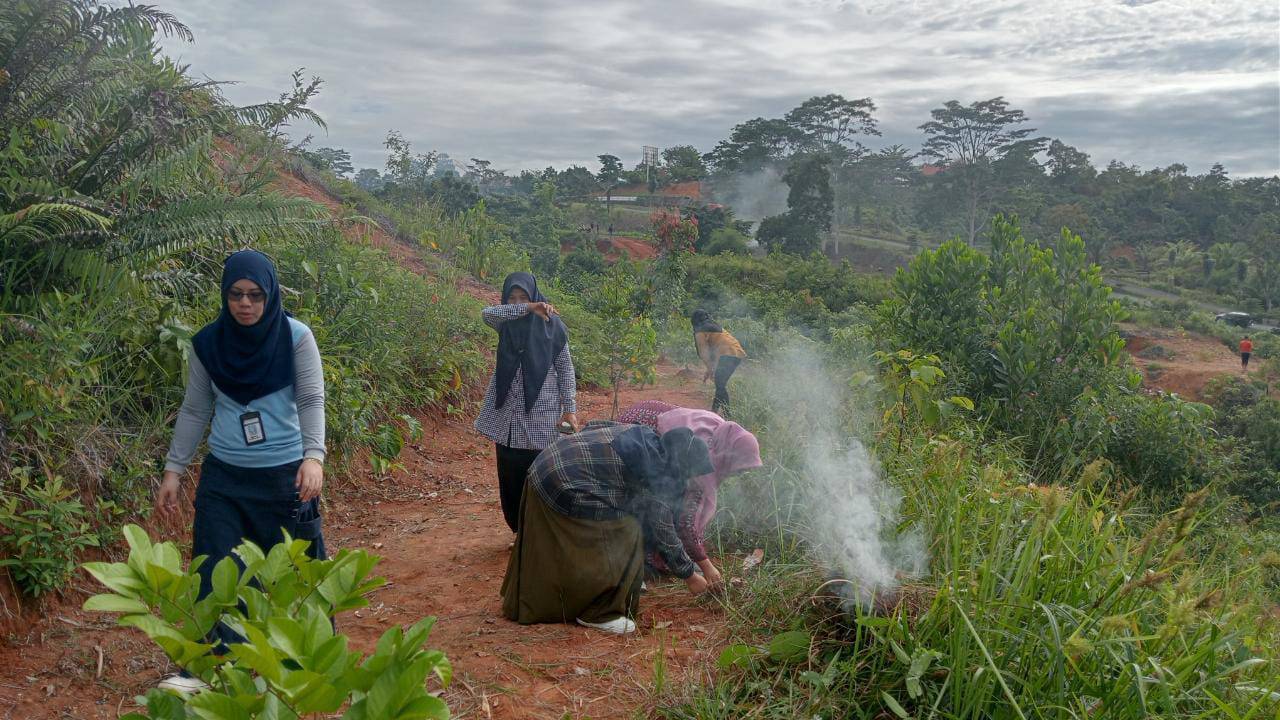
(1239, 319)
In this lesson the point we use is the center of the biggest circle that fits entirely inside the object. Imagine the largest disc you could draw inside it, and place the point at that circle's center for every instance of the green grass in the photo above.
(1040, 602)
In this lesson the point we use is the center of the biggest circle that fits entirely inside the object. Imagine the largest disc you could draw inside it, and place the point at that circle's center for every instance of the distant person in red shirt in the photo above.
(1246, 348)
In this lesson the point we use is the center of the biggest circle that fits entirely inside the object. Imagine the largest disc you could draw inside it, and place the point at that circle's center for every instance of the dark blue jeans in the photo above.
(234, 504)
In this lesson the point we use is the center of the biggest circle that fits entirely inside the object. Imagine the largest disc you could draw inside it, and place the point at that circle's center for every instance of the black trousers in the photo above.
(724, 370)
(234, 504)
(513, 466)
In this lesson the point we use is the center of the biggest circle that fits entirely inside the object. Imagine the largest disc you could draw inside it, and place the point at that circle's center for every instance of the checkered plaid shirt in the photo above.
(510, 425)
(581, 476)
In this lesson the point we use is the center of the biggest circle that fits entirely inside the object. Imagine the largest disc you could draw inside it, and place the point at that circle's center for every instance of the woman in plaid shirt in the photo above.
(733, 450)
(594, 498)
(532, 389)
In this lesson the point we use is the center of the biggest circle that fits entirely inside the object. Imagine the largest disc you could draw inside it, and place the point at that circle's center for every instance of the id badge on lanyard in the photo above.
(251, 426)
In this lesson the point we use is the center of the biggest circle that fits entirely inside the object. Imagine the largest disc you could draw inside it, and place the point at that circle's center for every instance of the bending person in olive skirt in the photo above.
(591, 501)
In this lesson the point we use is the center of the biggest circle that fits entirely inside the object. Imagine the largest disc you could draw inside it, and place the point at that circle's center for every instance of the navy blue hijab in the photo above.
(663, 464)
(528, 342)
(247, 362)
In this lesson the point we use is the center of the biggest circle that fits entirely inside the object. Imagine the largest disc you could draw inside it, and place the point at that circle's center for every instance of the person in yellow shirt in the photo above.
(720, 352)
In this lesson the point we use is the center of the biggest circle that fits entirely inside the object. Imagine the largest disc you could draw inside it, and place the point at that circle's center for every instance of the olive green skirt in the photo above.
(563, 569)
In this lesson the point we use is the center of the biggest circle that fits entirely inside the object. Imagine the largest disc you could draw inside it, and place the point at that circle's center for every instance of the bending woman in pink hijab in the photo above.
(733, 449)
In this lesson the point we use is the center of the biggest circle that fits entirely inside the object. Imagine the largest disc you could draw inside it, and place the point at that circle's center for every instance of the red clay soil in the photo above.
(1185, 362)
(439, 527)
(636, 249)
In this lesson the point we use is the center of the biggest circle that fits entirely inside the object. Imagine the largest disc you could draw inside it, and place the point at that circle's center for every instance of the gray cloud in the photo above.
(528, 84)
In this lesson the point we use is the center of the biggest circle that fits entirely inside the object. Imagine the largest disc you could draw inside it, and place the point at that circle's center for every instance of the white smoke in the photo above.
(851, 512)
(753, 196)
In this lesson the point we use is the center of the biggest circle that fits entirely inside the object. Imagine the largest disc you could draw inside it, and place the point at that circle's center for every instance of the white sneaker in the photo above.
(617, 626)
(183, 684)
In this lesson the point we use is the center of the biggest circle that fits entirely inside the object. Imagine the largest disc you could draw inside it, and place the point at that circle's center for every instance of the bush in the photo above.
(582, 268)
(290, 663)
(785, 233)
(1025, 332)
(42, 528)
(726, 241)
(372, 320)
(778, 290)
(1249, 419)
(1164, 443)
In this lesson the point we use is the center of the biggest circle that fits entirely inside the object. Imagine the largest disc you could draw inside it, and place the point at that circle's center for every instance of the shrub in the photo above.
(726, 241)
(1164, 443)
(629, 348)
(804, 293)
(42, 528)
(1025, 332)
(290, 662)
(372, 320)
(785, 233)
(1250, 421)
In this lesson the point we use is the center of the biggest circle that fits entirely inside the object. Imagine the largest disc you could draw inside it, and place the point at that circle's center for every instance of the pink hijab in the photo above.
(733, 449)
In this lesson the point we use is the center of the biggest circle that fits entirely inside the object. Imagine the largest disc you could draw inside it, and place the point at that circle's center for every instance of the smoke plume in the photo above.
(753, 196)
(850, 513)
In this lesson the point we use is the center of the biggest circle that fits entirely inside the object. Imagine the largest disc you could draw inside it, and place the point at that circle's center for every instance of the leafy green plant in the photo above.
(630, 349)
(479, 244)
(290, 663)
(911, 381)
(42, 528)
(388, 442)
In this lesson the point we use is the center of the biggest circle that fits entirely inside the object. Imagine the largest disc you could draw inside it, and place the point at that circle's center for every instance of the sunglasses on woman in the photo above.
(255, 296)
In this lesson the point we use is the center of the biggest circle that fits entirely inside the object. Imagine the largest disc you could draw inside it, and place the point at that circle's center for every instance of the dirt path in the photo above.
(1179, 362)
(439, 527)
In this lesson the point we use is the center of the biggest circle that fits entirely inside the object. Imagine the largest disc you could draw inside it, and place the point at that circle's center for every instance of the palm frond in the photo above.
(49, 53)
(45, 223)
(166, 173)
(212, 219)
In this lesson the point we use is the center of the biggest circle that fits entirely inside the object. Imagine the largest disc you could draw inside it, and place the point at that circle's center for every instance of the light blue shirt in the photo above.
(293, 426)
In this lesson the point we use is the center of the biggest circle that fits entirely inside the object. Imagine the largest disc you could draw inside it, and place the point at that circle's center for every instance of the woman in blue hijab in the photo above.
(532, 392)
(256, 382)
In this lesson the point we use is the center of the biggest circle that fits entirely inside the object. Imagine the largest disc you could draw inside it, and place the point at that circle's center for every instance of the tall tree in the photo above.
(1070, 168)
(753, 144)
(406, 169)
(968, 140)
(829, 121)
(481, 173)
(810, 200)
(828, 124)
(610, 170)
(682, 163)
(335, 160)
(1264, 251)
(370, 179)
(610, 176)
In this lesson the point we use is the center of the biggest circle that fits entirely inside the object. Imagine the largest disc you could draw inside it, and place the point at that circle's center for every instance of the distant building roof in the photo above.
(929, 170)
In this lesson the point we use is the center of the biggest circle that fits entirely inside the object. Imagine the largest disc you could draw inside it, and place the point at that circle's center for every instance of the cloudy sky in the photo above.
(531, 83)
